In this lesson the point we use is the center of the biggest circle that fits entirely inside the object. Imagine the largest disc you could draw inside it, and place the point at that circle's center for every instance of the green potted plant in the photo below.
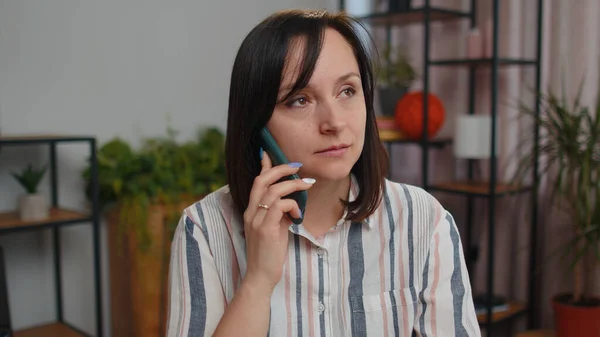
(395, 76)
(163, 171)
(32, 206)
(142, 195)
(569, 150)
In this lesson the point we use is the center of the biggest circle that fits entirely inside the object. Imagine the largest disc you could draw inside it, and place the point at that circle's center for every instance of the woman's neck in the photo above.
(323, 206)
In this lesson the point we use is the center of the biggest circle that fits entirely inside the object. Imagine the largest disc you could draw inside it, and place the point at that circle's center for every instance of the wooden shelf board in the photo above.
(11, 220)
(413, 16)
(477, 187)
(391, 135)
(515, 309)
(388, 136)
(49, 330)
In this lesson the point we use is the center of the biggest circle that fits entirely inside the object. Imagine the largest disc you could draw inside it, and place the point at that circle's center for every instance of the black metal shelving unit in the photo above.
(493, 189)
(58, 218)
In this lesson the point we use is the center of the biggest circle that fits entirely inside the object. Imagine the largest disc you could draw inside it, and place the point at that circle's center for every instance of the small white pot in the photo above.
(33, 207)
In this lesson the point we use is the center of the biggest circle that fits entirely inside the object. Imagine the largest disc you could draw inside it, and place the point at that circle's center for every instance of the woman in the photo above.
(371, 258)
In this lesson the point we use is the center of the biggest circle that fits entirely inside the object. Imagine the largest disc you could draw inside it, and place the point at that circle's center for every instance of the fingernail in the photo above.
(309, 180)
(295, 165)
(261, 153)
(299, 210)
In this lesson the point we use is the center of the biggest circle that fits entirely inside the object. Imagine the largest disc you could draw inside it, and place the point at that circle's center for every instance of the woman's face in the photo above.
(322, 126)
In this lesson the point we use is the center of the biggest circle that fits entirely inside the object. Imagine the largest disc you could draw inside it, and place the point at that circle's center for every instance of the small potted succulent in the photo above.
(32, 206)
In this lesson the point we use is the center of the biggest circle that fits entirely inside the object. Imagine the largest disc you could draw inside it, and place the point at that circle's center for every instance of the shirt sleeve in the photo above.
(445, 304)
(196, 301)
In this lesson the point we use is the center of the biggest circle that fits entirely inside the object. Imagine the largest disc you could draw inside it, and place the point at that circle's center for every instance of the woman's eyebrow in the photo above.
(347, 76)
(287, 88)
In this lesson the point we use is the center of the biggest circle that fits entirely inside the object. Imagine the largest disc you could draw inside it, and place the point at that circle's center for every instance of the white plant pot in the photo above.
(33, 207)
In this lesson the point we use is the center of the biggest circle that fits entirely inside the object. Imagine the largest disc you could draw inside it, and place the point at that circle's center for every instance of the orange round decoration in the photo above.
(409, 115)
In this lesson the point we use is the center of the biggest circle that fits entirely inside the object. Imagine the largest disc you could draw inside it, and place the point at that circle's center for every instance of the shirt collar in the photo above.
(352, 195)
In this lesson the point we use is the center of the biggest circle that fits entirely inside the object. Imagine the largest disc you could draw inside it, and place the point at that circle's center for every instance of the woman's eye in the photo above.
(348, 92)
(297, 102)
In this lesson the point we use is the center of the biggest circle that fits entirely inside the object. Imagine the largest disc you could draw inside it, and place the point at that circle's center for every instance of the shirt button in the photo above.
(320, 251)
(321, 307)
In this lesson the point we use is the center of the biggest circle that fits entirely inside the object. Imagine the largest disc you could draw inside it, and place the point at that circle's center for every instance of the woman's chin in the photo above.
(329, 173)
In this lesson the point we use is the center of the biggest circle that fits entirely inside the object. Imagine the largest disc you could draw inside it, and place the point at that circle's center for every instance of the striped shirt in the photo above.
(401, 272)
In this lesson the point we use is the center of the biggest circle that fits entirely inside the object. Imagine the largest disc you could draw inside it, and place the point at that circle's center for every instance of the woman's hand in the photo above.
(266, 223)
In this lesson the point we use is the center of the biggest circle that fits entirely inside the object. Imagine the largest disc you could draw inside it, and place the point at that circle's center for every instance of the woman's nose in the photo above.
(331, 118)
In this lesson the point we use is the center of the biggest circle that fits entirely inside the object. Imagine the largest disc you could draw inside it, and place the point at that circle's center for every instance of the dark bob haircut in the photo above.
(255, 81)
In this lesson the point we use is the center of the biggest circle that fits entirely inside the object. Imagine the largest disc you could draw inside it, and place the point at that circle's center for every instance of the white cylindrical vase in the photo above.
(33, 207)
(472, 138)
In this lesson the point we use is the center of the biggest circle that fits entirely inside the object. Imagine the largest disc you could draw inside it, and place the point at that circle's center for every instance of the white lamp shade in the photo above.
(473, 137)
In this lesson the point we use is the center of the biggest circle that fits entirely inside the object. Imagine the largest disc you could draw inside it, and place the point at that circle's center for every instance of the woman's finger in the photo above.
(278, 210)
(275, 173)
(278, 191)
(263, 181)
(265, 161)
(257, 190)
(270, 194)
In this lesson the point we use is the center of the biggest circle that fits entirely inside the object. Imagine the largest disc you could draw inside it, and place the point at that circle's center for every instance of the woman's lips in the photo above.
(334, 151)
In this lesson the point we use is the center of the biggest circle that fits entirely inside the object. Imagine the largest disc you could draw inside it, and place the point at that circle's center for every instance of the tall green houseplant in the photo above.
(163, 171)
(569, 156)
(143, 192)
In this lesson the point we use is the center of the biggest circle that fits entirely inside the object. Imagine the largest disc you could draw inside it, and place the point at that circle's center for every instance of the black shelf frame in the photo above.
(52, 141)
(497, 194)
(426, 15)
(437, 143)
(479, 62)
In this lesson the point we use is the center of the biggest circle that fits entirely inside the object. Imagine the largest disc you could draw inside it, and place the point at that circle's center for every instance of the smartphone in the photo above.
(278, 158)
